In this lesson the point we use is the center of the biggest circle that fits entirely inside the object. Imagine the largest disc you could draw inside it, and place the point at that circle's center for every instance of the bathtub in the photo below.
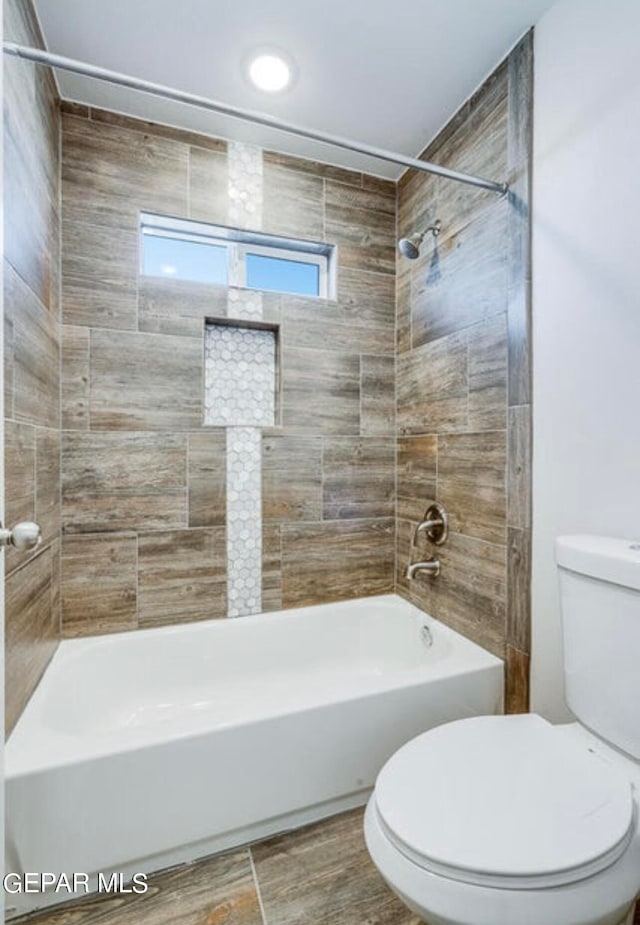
(141, 750)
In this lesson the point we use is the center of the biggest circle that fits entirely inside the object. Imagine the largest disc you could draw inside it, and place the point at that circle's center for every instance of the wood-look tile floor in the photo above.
(319, 875)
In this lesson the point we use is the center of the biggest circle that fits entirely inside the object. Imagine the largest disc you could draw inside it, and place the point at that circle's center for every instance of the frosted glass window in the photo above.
(278, 275)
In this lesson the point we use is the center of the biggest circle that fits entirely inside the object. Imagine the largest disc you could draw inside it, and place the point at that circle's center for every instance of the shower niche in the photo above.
(241, 374)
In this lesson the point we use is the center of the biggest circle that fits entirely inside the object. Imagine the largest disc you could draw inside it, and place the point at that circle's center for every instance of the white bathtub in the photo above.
(140, 750)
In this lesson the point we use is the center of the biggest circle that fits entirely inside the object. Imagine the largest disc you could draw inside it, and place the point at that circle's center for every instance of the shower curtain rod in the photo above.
(246, 115)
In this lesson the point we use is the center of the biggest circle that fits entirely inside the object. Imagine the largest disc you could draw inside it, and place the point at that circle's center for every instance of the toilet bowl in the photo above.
(510, 820)
(444, 825)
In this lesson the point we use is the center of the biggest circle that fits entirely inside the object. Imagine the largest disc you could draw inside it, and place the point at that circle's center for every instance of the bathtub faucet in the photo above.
(432, 567)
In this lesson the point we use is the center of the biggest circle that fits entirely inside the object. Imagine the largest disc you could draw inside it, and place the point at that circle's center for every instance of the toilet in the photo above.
(510, 820)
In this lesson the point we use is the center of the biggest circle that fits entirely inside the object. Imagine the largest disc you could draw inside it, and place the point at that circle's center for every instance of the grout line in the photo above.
(256, 883)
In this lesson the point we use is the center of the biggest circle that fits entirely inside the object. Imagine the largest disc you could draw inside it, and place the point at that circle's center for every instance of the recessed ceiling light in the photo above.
(269, 71)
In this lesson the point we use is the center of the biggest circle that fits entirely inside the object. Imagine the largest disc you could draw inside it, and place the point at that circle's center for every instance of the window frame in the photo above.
(239, 243)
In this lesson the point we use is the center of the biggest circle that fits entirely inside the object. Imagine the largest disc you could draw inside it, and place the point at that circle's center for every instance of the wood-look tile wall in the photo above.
(463, 397)
(31, 358)
(143, 482)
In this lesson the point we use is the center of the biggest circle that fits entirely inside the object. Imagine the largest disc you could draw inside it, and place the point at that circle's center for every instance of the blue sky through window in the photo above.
(276, 274)
(185, 259)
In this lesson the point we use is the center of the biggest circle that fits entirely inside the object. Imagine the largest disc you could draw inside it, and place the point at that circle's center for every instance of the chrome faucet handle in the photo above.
(435, 525)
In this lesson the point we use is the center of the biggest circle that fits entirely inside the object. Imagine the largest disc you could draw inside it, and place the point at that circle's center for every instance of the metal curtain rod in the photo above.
(247, 115)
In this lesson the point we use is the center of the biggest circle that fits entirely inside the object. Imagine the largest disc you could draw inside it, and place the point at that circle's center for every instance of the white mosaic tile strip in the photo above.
(239, 377)
(239, 390)
(244, 521)
(244, 303)
(244, 165)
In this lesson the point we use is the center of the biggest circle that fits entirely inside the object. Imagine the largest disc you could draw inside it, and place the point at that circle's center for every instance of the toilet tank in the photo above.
(600, 602)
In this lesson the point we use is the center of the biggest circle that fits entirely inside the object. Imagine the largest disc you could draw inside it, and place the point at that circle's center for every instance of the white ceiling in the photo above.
(385, 72)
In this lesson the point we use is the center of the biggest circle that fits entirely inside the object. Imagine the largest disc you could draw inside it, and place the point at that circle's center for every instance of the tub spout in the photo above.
(432, 567)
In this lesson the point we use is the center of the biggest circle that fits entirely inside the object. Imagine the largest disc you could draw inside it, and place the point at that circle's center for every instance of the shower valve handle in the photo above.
(25, 536)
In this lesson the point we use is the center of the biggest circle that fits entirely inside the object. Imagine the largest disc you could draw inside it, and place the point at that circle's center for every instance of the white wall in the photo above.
(586, 298)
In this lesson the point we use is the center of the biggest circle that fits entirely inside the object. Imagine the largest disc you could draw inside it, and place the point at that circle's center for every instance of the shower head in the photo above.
(410, 247)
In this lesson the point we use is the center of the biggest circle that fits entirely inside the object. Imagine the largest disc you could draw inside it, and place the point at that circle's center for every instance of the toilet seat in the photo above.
(532, 809)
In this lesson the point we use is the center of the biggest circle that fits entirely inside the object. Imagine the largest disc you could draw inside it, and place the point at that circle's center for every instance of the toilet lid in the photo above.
(498, 797)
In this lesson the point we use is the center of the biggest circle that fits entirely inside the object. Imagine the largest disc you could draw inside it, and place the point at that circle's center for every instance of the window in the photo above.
(180, 249)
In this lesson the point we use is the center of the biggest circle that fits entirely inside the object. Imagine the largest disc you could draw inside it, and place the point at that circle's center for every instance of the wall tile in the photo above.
(119, 481)
(244, 511)
(519, 599)
(403, 307)
(110, 172)
(181, 576)
(99, 275)
(417, 204)
(349, 324)
(207, 478)
(463, 290)
(471, 483)
(20, 482)
(47, 487)
(321, 391)
(30, 162)
(471, 590)
(154, 128)
(432, 384)
(462, 279)
(358, 478)
(315, 168)
(381, 200)
(31, 357)
(178, 306)
(367, 301)
(377, 395)
(145, 381)
(293, 202)
(271, 567)
(520, 141)
(364, 235)
(342, 559)
(244, 166)
(9, 348)
(406, 552)
(31, 632)
(416, 478)
(517, 681)
(75, 350)
(98, 584)
(488, 375)
(519, 467)
(291, 478)
(208, 180)
(36, 354)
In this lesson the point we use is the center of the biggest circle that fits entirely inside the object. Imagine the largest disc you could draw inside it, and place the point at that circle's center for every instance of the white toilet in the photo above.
(509, 820)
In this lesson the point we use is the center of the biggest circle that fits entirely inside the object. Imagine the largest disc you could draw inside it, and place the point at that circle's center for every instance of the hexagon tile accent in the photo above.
(239, 378)
(244, 521)
(244, 187)
(240, 393)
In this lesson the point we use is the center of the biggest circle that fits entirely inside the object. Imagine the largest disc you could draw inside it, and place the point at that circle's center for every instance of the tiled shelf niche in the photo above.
(241, 374)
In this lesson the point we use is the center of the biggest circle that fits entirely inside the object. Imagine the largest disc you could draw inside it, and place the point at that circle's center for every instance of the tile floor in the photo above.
(320, 875)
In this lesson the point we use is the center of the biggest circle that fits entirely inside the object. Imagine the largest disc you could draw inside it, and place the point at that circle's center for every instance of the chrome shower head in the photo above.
(410, 247)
